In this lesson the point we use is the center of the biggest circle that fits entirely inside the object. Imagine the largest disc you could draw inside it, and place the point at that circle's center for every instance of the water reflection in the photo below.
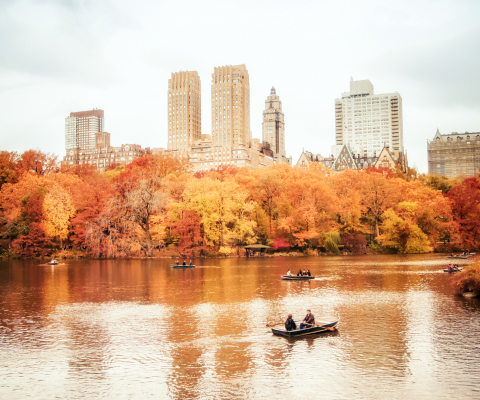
(140, 329)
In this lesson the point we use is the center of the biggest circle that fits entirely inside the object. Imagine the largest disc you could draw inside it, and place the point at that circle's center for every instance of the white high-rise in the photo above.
(81, 127)
(368, 121)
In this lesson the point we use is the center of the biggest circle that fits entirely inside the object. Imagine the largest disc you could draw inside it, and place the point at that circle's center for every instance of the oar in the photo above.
(270, 324)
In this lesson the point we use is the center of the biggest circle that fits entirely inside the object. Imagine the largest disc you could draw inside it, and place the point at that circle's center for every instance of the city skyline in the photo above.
(108, 56)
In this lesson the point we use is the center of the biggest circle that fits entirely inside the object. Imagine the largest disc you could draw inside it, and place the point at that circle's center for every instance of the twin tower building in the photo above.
(230, 142)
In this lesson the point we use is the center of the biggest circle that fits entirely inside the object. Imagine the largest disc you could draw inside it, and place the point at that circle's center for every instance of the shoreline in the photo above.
(83, 256)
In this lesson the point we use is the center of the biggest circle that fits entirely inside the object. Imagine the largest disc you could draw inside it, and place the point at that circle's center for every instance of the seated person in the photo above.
(177, 262)
(308, 272)
(184, 262)
(290, 324)
(289, 273)
(191, 262)
(299, 273)
(308, 321)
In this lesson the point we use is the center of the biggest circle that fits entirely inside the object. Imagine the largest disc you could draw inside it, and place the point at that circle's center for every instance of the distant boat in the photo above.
(453, 270)
(182, 266)
(53, 262)
(296, 278)
(318, 328)
(462, 257)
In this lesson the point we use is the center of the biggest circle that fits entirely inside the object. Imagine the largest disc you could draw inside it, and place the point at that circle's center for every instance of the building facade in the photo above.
(81, 127)
(348, 159)
(184, 110)
(367, 122)
(230, 142)
(231, 106)
(454, 155)
(273, 125)
(104, 155)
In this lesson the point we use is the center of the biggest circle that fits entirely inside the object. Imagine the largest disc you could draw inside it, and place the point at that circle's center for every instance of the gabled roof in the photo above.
(345, 159)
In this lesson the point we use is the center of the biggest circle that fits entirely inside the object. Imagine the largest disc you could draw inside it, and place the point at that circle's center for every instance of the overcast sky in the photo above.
(62, 56)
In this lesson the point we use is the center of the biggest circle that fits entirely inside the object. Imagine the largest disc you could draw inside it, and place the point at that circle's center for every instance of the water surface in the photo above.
(138, 329)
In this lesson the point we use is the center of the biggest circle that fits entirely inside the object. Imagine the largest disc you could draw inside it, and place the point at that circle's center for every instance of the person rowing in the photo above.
(290, 324)
(289, 273)
(308, 321)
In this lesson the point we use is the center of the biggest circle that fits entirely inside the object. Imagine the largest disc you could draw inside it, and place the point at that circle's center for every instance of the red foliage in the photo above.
(34, 161)
(190, 230)
(386, 172)
(90, 199)
(465, 200)
(281, 244)
(355, 243)
(35, 243)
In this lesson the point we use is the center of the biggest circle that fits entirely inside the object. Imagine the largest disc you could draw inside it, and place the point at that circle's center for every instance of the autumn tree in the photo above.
(58, 210)
(465, 200)
(8, 173)
(188, 227)
(401, 232)
(224, 210)
(37, 162)
(32, 240)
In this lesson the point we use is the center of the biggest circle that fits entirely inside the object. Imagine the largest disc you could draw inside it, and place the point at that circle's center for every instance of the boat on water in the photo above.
(53, 262)
(182, 266)
(461, 257)
(453, 270)
(320, 327)
(297, 278)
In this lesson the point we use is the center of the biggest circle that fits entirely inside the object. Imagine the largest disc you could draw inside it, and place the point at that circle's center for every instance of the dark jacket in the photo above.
(290, 324)
(309, 319)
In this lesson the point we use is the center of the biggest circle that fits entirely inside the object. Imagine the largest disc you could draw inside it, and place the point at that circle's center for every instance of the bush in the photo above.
(332, 240)
(468, 280)
(281, 244)
(355, 243)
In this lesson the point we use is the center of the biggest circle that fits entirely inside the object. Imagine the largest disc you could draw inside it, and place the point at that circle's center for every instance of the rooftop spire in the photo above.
(272, 91)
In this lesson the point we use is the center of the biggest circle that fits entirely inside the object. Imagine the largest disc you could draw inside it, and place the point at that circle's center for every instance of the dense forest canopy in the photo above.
(157, 206)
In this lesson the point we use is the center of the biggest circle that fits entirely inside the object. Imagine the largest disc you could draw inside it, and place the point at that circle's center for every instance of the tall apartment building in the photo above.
(455, 154)
(273, 125)
(81, 127)
(231, 106)
(184, 110)
(368, 121)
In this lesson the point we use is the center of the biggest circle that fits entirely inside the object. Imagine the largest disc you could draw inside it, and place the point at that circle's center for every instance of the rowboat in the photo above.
(318, 328)
(296, 278)
(182, 266)
(53, 262)
(462, 257)
(453, 270)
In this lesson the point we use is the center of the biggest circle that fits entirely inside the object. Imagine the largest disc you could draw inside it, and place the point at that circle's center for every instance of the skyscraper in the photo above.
(231, 106)
(184, 110)
(81, 127)
(273, 126)
(368, 121)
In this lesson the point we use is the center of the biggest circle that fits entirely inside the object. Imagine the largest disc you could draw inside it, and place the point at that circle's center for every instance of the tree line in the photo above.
(156, 206)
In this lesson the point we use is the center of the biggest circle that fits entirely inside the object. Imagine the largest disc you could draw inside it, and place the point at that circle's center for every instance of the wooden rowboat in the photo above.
(318, 328)
(53, 262)
(453, 270)
(296, 278)
(462, 257)
(182, 266)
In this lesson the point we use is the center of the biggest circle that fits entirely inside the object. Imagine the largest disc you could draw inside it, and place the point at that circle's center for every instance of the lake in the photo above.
(138, 329)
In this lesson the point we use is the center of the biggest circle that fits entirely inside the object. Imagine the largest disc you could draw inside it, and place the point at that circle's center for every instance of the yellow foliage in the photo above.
(58, 208)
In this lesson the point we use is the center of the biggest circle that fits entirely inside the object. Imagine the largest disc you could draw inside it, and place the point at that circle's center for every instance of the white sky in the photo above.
(63, 56)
